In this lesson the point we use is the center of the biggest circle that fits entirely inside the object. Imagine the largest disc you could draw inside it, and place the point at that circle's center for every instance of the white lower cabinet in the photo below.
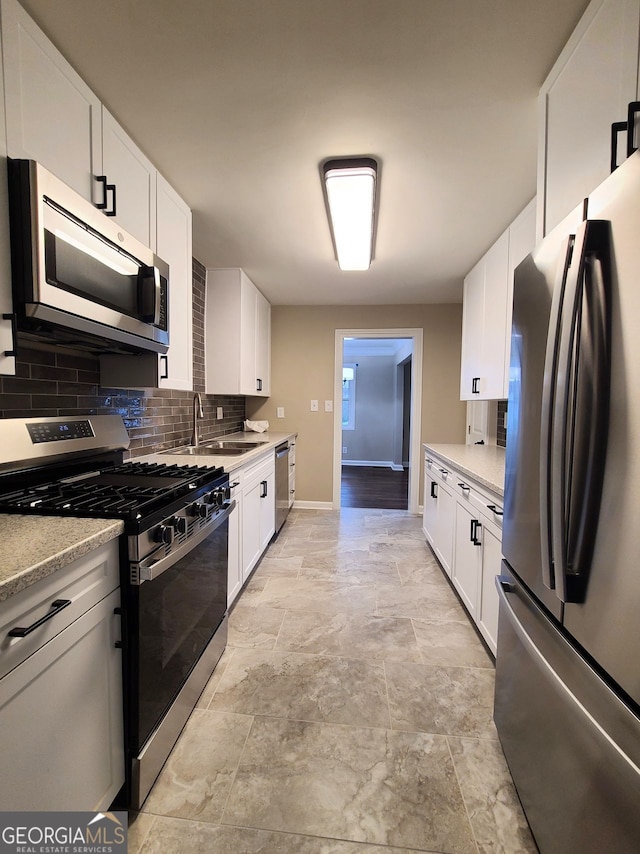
(235, 579)
(439, 512)
(462, 524)
(61, 720)
(258, 511)
(467, 567)
(253, 522)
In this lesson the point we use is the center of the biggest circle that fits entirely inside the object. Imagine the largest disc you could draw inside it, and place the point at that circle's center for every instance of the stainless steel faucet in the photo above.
(198, 412)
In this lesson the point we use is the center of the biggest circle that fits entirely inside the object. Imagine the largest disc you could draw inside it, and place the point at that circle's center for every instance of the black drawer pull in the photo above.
(495, 509)
(444, 473)
(56, 607)
(464, 487)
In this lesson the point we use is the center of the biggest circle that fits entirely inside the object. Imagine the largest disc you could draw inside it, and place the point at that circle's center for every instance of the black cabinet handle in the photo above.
(475, 527)
(56, 607)
(495, 509)
(444, 473)
(434, 489)
(106, 188)
(616, 129)
(474, 385)
(464, 487)
(258, 384)
(263, 494)
(165, 375)
(14, 333)
(632, 110)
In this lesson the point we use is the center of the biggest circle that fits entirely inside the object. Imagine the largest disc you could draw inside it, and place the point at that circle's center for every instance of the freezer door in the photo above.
(572, 746)
(606, 623)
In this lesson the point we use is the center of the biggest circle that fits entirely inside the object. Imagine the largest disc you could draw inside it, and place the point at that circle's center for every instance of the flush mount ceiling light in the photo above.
(350, 192)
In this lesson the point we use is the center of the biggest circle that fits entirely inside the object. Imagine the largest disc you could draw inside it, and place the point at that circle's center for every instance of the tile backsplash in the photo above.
(501, 424)
(55, 382)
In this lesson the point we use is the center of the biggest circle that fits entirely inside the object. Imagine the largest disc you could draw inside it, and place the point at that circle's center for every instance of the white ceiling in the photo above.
(238, 101)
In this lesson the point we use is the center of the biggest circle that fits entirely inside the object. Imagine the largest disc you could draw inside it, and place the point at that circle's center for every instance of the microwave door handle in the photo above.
(150, 294)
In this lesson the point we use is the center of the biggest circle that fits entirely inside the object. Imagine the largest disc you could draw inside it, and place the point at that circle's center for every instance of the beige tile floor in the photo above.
(350, 714)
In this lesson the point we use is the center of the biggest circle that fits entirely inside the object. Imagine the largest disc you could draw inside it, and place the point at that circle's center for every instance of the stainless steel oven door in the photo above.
(177, 634)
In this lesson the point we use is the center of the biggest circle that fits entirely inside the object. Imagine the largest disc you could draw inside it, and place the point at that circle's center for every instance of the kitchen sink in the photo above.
(221, 449)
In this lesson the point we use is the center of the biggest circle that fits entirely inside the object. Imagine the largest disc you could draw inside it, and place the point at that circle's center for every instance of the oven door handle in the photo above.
(151, 567)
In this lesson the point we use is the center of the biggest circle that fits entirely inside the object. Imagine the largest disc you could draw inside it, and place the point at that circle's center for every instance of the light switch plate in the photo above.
(314, 405)
(328, 406)
(280, 412)
(219, 414)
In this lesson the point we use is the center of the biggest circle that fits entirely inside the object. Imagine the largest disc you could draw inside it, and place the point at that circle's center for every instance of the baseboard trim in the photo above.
(380, 464)
(312, 505)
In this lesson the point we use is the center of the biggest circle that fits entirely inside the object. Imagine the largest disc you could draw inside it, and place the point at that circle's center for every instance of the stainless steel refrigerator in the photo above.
(567, 701)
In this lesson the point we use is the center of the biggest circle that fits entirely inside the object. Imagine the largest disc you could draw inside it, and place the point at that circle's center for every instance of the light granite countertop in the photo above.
(36, 546)
(484, 463)
(229, 463)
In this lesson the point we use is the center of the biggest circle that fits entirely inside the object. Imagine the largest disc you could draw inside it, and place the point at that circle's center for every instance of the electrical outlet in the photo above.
(314, 405)
(344, 449)
(280, 412)
(219, 413)
(328, 406)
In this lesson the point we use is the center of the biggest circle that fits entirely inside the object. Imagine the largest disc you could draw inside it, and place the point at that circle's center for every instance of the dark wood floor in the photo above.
(369, 486)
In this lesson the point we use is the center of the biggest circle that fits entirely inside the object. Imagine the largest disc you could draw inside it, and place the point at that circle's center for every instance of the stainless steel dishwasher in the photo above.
(282, 484)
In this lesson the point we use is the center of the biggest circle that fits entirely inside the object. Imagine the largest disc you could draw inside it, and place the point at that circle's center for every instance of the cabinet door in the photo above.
(61, 728)
(52, 115)
(488, 598)
(467, 567)
(251, 540)
(174, 247)
(494, 337)
(430, 507)
(472, 323)
(134, 177)
(248, 314)
(267, 509)
(477, 421)
(263, 346)
(444, 527)
(234, 580)
(587, 90)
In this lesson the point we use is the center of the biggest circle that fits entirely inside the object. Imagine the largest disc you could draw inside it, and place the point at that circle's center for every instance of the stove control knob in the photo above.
(197, 509)
(218, 496)
(164, 534)
(180, 524)
(214, 498)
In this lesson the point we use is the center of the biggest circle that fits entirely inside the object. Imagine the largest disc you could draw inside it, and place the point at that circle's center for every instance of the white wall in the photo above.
(373, 438)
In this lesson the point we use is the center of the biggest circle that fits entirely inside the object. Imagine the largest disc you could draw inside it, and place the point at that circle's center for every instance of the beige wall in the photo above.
(302, 369)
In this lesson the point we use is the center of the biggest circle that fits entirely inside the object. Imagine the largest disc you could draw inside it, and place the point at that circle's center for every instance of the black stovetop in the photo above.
(131, 491)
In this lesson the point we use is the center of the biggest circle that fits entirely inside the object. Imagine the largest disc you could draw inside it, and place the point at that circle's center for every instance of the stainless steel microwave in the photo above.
(78, 278)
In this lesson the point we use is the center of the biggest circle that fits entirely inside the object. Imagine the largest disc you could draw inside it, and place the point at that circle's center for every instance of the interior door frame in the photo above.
(415, 456)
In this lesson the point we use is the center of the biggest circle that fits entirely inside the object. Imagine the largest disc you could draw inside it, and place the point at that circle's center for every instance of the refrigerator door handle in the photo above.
(547, 411)
(581, 398)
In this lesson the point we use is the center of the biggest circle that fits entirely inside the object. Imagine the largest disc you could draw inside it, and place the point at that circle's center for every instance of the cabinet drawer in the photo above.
(483, 503)
(257, 471)
(84, 582)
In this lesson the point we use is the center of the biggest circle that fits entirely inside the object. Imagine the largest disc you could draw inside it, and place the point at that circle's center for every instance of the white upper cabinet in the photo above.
(174, 247)
(587, 90)
(237, 335)
(133, 177)
(52, 115)
(486, 312)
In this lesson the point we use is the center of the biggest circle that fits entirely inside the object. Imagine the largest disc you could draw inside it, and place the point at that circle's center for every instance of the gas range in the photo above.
(74, 467)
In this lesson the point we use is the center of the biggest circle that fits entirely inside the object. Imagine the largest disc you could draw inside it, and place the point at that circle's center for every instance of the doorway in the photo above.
(378, 384)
